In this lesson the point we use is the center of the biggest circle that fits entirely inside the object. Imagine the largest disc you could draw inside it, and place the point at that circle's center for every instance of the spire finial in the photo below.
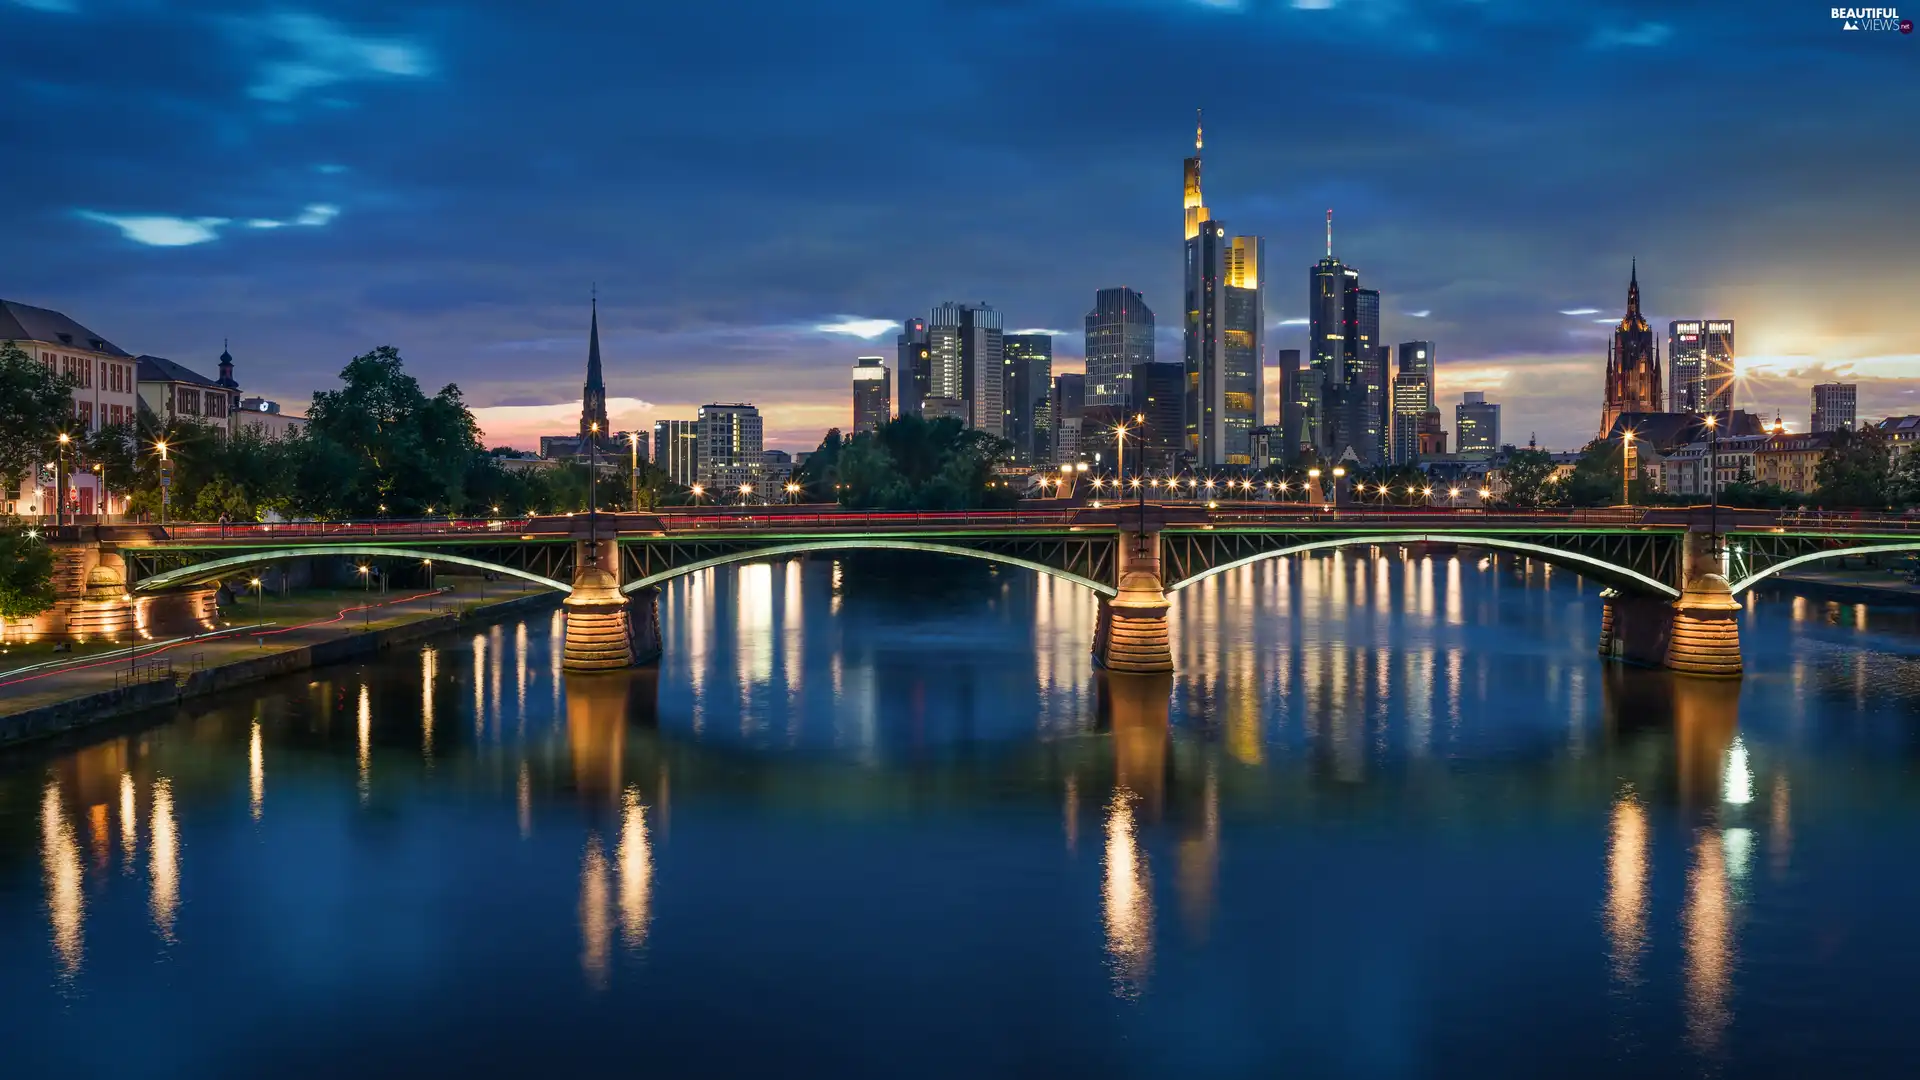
(1329, 232)
(1196, 129)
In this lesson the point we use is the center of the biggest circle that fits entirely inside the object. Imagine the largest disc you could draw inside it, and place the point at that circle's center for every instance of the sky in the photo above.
(758, 191)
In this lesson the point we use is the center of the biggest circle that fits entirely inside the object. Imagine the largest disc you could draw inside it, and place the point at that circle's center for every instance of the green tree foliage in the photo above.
(1758, 496)
(819, 474)
(915, 464)
(222, 498)
(1529, 476)
(409, 451)
(1854, 472)
(1596, 477)
(35, 406)
(1903, 480)
(26, 575)
(1365, 485)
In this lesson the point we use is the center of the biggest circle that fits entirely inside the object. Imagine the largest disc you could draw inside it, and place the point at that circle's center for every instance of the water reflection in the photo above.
(1627, 860)
(596, 924)
(256, 771)
(1128, 898)
(129, 824)
(636, 870)
(364, 729)
(66, 901)
(1706, 929)
(163, 859)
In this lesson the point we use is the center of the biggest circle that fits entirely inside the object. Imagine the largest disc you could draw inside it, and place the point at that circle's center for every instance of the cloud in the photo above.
(1292, 322)
(1416, 314)
(860, 328)
(1640, 36)
(315, 53)
(315, 215)
(1043, 330)
(1580, 311)
(57, 7)
(161, 230)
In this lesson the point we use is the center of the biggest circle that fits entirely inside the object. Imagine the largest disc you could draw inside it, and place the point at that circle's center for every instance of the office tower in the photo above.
(872, 394)
(1351, 405)
(1026, 393)
(1833, 407)
(1068, 410)
(1476, 424)
(967, 344)
(1119, 335)
(1294, 401)
(1686, 367)
(1633, 365)
(913, 362)
(676, 447)
(1243, 355)
(1716, 375)
(731, 453)
(1157, 416)
(1225, 331)
(1412, 399)
(944, 383)
(593, 399)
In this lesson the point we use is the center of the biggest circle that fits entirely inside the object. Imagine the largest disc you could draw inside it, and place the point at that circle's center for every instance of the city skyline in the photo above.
(317, 235)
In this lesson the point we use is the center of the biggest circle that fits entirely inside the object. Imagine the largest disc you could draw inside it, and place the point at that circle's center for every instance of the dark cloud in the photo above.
(732, 174)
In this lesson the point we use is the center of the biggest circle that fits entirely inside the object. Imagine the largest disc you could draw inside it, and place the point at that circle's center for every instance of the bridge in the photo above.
(1672, 577)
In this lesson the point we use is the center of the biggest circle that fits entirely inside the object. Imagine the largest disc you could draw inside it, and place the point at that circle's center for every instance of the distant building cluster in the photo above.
(112, 387)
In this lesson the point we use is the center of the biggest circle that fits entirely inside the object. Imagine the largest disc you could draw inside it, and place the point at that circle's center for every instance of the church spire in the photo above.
(1633, 290)
(593, 399)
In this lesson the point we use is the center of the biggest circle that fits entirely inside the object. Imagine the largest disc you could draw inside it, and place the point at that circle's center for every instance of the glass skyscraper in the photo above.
(1119, 335)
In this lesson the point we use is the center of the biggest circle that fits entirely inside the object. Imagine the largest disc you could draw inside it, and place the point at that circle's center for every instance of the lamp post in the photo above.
(746, 490)
(696, 491)
(127, 599)
(166, 478)
(366, 591)
(633, 447)
(1338, 472)
(1313, 481)
(100, 470)
(60, 482)
(1626, 467)
(1713, 483)
(793, 493)
(259, 597)
(1120, 451)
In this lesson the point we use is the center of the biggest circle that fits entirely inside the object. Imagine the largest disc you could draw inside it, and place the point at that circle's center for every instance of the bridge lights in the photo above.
(1136, 481)
(745, 490)
(1486, 493)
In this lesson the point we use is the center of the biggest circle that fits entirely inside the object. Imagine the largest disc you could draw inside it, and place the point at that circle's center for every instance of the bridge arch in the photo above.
(1755, 578)
(216, 567)
(861, 544)
(1573, 559)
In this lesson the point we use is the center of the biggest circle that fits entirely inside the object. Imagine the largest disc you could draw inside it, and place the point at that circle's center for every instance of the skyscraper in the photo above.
(1633, 365)
(1069, 408)
(1686, 367)
(967, 345)
(1833, 407)
(1027, 395)
(676, 448)
(730, 449)
(1119, 335)
(1294, 403)
(593, 399)
(1159, 403)
(1412, 398)
(1476, 424)
(1351, 403)
(913, 362)
(1718, 366)
(872, 393)
(1225, 331)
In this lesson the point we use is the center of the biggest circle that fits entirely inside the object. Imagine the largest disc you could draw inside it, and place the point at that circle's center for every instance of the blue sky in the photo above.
(314, 180)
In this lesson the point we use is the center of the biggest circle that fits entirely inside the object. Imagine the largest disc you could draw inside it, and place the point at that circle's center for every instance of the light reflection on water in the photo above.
(867, 758)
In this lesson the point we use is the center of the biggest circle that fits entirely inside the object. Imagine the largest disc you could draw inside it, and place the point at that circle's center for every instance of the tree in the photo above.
(35, 406)
(222, 497)
(819, 474)
(409, 451)
(1529, 476)
(26, 576)
(1855, 470)
(911, 463)
(1596, 476)
(1903, 479)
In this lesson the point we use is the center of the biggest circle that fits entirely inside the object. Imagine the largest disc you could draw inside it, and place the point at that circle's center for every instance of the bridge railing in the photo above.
(862, 519)
(338, 530)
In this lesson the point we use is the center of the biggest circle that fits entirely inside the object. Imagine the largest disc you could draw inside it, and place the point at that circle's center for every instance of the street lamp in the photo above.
(745, 490)
(366, 587)
(697, 491)
(1338, 472)
(259, 597)
(1313, 475)
(593, 443)
(1626, 467)
(60, 483)
(100, 470)
(1713, 482)
(633, 446)
(1120, 450)
(132, 637)
(166, 478)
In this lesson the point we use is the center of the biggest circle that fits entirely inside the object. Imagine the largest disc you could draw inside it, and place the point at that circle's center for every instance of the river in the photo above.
(1392, 817)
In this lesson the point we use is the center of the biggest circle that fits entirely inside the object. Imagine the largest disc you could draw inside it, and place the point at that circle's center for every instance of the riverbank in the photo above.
(88, 694)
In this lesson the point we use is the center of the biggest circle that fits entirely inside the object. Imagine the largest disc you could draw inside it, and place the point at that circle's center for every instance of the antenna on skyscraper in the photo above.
(1329, 232)
(1196, 129)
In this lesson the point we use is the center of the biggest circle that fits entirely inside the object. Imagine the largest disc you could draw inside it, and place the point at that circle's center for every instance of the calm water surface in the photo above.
(1392, 818)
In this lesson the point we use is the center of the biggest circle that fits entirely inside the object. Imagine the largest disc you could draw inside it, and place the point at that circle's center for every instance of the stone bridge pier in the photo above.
(1131, 633)
(1697, 634)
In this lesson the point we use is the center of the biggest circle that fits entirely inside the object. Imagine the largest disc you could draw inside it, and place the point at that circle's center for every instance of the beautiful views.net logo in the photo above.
(1872, 19)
